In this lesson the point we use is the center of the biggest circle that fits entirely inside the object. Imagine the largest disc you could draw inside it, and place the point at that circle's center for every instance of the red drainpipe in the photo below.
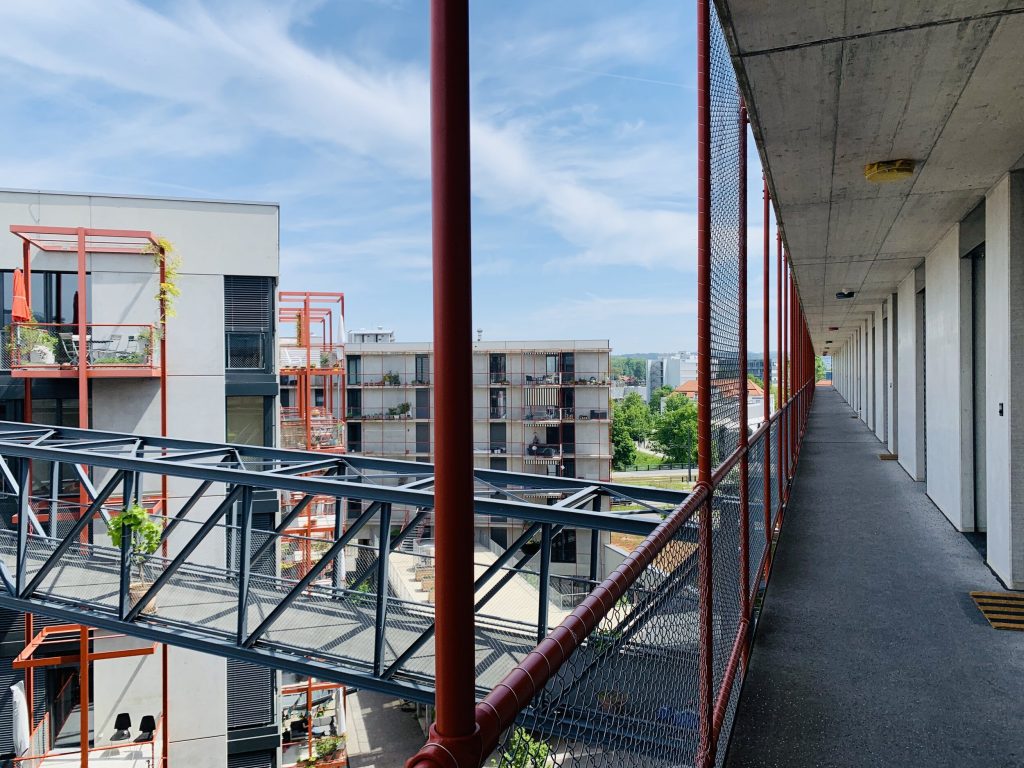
(706, 695)
(454, 740)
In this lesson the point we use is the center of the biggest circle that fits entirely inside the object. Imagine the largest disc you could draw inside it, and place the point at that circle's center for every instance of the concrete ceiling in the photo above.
(832, 85)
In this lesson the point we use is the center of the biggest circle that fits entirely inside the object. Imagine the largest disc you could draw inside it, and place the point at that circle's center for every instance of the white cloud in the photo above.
(216, 78)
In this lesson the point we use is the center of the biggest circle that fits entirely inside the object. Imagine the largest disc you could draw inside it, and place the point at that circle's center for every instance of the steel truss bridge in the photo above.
(217, 584)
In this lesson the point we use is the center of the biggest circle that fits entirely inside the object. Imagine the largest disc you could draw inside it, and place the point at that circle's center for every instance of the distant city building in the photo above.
(618, 392)
(379, 336)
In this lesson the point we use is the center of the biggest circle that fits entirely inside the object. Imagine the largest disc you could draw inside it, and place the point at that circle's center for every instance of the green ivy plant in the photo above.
(144, 534)
(163, 252)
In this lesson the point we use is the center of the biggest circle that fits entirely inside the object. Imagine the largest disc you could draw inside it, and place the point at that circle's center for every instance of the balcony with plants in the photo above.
(57, 350)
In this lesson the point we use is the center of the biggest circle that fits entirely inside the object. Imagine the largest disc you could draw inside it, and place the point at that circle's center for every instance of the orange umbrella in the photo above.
(20, 312)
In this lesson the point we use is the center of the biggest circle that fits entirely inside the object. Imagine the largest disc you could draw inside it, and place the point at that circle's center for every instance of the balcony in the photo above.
(325, 357)
(52, 350)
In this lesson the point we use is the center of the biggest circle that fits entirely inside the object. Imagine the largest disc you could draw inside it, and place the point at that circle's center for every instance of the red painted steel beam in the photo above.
(743, 383)
(706, 748)
(454, 740)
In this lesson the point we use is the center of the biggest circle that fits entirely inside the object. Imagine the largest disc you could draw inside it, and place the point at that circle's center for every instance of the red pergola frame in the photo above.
(65, 633)
(82, 241)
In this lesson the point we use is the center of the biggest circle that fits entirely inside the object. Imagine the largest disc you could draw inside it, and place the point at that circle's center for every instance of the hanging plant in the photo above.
(163, 252)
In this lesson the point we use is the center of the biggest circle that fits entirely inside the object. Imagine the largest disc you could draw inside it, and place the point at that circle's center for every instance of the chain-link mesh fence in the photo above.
(628, 696)
(725, 247)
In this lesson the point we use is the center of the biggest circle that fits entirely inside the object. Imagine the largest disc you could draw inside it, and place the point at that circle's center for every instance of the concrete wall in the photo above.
(907, 385)
(948, 446)
(1004, 319)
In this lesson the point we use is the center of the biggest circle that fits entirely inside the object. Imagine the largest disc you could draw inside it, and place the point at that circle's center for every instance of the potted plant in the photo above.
(530, 548)
(144, 540)
(328, 752)
(610, 700)
(404, 409)
(35, 344)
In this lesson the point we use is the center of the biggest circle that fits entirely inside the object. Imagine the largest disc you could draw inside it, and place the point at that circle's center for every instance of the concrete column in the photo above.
(948, 372)
(1004, 386)
(907, 384)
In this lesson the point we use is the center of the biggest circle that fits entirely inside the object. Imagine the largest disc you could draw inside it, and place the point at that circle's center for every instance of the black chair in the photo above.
(146, 727)
(122, 727)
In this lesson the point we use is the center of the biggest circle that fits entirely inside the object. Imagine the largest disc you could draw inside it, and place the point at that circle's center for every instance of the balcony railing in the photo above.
(542, 379)
(322, 357)
(56, 346)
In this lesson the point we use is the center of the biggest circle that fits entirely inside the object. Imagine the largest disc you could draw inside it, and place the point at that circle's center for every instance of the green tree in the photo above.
(819, 368)
(623, 447)
(635, 415)
(656, 397)
(675, 433)
(524, 751)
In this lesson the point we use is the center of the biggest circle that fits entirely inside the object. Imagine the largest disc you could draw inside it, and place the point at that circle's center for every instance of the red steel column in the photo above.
(706, 748)
(743, 384)
(454, 737)
(83, 342)
(83, 682)
(767, 389)
(779, 311)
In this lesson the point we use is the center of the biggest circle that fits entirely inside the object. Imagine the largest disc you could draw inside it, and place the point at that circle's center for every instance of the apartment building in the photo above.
(91, 340)
(540, 407)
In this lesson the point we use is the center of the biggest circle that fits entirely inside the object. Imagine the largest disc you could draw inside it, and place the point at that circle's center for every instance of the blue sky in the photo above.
(583, 145)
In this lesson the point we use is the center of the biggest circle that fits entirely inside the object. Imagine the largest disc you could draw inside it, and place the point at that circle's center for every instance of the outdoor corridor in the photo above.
(870, 651)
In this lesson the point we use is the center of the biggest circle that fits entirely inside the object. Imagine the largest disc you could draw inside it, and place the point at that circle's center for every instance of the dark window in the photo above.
(355, 403)
(422, 369)
(422, 404)
(563, 546)
(355, 437)
(353, 365)
(498, 438)
(497, 368)
(499, 463)
(568, 365)
(498, 400)
(248, 322)
(247, 419)
(422, 438)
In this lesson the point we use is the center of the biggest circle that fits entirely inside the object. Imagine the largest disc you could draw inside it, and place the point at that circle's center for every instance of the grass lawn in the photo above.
(643, 458)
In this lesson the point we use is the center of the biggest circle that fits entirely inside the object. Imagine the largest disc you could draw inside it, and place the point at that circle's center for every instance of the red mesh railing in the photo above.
(646, 671)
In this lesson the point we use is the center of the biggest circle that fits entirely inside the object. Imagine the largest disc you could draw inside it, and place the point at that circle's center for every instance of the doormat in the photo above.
(1003, 610)
(888, 456)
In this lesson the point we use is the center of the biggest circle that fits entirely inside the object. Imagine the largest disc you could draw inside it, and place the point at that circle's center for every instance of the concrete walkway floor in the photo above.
(870, 651)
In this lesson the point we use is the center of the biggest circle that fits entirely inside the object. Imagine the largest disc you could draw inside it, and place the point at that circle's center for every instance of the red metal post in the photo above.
(780, 393)
(706, 748)
(767, 390)
(83, 684)
(743, 385)
(83, 341)
(27, 263)
(454, 737)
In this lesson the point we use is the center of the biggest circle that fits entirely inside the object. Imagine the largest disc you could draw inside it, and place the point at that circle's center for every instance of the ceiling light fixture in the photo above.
(833, 327)
(889, 170)
(844, 294)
